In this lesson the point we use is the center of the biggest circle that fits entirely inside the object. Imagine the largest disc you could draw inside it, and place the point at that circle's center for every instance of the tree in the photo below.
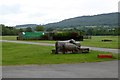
(28, 29)
(20, 30)
(90, 31)
(1, 28)
(39, 28)
(6, 30)
(50, 29)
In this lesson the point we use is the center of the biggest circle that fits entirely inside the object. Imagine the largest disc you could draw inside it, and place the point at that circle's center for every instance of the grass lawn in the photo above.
(0, 37)
(9, 37)
(24, 54)
(94, 42)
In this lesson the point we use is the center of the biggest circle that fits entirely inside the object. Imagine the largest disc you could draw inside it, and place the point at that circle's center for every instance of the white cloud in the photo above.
(13, 9)
(14, 12)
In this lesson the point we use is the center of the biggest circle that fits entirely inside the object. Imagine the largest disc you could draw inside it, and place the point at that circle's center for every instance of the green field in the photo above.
(24, 54)
(9, 37)
(94, 42)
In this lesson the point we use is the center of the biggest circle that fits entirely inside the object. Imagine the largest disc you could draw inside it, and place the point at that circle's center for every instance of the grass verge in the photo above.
(25, 54)
(9, 37)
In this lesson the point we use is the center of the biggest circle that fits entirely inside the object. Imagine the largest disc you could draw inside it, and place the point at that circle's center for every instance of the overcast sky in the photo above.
(15, 12)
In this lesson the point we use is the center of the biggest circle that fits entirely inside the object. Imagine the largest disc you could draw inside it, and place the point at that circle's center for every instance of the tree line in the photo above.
(7, 30)
(91, 30)
(96, 31)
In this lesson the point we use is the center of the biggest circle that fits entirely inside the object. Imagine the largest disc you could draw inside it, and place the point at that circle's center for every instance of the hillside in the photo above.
(110, 19)
(26, 25)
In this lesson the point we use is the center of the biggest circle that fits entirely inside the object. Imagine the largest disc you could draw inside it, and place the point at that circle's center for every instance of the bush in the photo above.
(67, 36)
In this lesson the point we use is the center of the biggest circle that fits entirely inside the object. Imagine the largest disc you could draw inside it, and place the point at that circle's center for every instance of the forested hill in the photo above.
(95, 20)
(26, 25)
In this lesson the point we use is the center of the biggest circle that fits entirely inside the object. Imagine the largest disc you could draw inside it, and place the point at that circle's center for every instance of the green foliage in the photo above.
(21, 30)
(50, 29)
(101, 30)
(65, 35)
(25, 54)
(8, 30)
(28, 29)
(39, 28)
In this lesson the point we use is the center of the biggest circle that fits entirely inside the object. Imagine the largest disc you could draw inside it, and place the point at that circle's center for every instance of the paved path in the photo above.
(107, 69)
(47, 44)
(26, 42)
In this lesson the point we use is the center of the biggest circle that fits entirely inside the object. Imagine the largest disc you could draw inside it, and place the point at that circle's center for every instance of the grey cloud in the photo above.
(11, 9)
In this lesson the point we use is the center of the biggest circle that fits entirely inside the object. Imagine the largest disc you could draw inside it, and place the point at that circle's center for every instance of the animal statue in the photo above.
(68, 45)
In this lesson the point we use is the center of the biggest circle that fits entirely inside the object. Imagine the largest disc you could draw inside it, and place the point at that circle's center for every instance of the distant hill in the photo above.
(110, 19)
(26, 25)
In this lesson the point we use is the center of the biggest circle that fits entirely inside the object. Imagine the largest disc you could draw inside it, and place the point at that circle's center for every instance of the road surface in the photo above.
(107, 69)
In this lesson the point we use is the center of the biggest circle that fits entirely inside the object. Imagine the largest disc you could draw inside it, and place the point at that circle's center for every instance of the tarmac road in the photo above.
(107, 69)
(47, 44)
